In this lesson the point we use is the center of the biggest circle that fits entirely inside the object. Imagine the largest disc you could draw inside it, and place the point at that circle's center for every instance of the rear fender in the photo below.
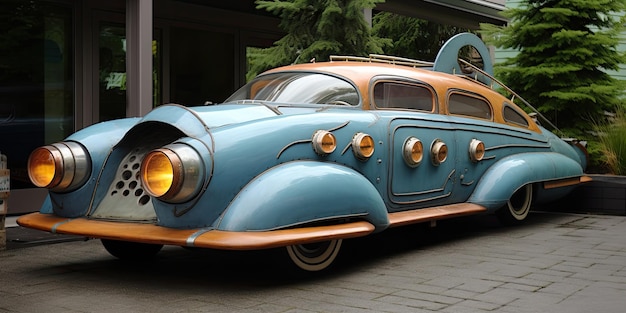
(502, 179)
(304, 192)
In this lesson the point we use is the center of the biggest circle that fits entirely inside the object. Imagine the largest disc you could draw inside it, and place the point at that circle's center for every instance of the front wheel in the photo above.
(517, 208)
(131, 251)
(314, 256)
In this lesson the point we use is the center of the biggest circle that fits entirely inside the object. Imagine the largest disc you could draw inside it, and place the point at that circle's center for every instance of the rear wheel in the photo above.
(314, 256)
(517, 208)
(131, 251)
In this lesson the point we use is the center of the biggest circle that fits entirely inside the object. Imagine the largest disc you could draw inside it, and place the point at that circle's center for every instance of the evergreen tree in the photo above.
(316, 29)
(412, 37)
(565, 48)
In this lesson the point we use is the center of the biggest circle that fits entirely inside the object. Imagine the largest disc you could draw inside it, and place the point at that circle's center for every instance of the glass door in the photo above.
(36, 80)
(112, 70)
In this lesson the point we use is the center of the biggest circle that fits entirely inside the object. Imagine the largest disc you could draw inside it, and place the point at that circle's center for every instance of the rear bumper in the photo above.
(203, 237)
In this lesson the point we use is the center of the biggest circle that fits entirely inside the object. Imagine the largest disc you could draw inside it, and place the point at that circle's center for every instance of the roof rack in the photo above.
(379, 58)
(507, 89)
(447, 61)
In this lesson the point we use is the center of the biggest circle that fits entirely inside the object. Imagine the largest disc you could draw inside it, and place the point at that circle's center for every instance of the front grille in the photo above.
(126, 198)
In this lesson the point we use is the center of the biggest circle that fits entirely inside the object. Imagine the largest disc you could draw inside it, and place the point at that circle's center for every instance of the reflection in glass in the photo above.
(112, 71)
(36, 80)
(298, 88)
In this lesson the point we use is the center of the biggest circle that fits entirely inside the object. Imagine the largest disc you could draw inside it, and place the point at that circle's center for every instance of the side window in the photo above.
(403, 96)
(513, 116)
(461, 104)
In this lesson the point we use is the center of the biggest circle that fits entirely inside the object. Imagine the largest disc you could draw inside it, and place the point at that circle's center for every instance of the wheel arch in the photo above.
(304, 192)
(511, 173)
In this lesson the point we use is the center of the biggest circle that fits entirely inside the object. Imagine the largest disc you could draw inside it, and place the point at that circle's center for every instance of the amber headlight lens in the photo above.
(324, 142)
(42, 167)
(174, 173)
(60, 167)
(158, 173)
(413, 152)
(363, 146)
(476, 150)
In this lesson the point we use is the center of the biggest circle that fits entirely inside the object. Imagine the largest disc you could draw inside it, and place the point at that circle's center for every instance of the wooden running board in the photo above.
(434, 213)
(205, 238)
(217, 239)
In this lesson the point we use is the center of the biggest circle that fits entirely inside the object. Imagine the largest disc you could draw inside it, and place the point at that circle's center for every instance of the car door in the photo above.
(411, 107)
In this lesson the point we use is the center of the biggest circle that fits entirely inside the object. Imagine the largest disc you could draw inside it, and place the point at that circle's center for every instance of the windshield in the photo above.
(298, 88)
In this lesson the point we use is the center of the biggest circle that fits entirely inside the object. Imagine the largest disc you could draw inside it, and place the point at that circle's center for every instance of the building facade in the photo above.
(67, 64)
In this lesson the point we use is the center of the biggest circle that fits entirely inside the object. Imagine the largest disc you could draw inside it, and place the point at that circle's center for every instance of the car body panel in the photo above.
(263, 182)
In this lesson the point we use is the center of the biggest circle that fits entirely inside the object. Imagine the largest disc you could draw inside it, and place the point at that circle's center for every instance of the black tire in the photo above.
(314, 256)
(517, 208)
(131, 251)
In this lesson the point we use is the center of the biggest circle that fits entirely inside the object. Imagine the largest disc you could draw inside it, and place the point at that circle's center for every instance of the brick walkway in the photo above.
(554, 263)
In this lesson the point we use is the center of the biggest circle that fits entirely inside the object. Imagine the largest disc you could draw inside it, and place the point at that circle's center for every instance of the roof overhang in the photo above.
(461, 13)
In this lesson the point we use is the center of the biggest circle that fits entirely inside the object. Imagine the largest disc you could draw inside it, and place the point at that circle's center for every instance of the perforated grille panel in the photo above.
(126, 199)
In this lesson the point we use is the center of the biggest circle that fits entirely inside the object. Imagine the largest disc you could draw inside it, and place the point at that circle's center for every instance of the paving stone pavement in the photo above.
(556, 262)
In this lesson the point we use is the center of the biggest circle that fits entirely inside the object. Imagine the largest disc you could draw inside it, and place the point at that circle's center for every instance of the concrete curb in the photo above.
(605, 195)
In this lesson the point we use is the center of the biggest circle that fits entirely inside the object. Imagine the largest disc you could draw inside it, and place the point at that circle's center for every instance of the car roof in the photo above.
(362, 73)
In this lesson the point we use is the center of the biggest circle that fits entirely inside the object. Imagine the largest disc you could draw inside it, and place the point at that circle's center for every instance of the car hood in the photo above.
(192, 120)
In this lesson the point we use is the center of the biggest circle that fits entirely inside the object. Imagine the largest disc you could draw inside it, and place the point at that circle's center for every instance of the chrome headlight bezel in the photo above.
(438, 152)
(324, 142)
(362, 146)
(60, 167)
(476, 150)
(413, 152)
(174, 173)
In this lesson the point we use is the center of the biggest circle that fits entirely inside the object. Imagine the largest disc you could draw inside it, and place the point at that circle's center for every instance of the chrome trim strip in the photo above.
(443, 187)
(191, 239)
(424, 200)
(289, 145)
(54, 227)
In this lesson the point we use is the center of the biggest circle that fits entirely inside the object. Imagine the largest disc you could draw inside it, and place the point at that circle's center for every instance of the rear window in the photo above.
(403, 96)
(467, 105)
(513, 116)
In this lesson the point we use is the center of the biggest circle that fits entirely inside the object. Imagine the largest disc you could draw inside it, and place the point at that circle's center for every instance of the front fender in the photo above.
(502, 179)
(98, 139)
(303, 192)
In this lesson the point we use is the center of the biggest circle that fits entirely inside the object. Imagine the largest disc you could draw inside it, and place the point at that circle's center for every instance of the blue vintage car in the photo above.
(305, 156)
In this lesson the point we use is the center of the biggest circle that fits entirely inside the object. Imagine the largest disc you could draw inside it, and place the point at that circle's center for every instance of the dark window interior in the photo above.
(460, 104)
(403, 96)
(513, 116)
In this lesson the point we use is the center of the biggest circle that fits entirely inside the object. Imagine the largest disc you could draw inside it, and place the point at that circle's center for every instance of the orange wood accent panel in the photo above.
(434, 213)
(148, 233)
(566, 182)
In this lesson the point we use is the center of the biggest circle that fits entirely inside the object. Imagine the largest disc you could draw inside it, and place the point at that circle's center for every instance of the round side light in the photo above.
(476, 150)
(174, 173)
(60, 167)
(324, 142)
(362, 146)
(439, 152)
(413, 152)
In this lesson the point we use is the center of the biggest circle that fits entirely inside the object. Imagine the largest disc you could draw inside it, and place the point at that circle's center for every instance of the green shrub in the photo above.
(612, 143)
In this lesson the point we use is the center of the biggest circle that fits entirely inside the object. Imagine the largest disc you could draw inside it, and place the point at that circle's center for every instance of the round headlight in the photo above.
(476, 150)
(362, 146)
(43, 165)
(439, 152)
(174, 173)
(413, 151)
(157, 172)
(62, 166)
(324, 142)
